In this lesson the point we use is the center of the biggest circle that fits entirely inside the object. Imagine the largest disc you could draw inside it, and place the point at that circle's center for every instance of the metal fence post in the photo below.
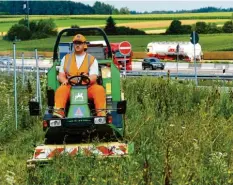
(23, 69)
(38, 93)
(15, 88)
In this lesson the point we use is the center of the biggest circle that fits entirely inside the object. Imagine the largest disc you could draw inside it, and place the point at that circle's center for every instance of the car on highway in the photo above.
(152, 63)
(6, 61)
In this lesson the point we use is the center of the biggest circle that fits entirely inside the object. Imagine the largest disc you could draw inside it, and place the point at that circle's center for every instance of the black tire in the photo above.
(153, 68)
(162, 68)
(143, 68)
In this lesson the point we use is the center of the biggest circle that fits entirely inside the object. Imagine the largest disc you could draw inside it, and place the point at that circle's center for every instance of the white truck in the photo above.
(168, 50)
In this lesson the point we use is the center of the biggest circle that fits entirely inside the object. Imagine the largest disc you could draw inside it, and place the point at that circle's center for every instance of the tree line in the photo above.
(77, 8)
(58, 8)
(177, 28)
(45, 28)
(200, 10)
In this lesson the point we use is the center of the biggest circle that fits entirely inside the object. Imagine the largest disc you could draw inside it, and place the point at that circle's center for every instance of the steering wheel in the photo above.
(79, 79)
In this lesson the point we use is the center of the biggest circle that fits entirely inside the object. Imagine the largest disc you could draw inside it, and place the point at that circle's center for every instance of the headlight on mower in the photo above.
(100, 120)
(55, 123)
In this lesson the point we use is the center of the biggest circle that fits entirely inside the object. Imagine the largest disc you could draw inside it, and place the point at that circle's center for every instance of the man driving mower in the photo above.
(74, 64)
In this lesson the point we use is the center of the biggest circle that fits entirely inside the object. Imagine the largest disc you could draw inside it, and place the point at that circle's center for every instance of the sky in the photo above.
(150, 5)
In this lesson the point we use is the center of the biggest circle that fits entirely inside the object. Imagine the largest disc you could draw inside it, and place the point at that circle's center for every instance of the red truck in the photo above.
(119, 58)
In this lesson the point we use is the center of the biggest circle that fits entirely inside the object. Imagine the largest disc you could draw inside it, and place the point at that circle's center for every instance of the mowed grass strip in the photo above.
(209, 42)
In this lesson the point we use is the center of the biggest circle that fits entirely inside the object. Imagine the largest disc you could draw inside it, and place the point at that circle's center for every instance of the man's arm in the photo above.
(94, 72)
(93, 79)
(62, 76)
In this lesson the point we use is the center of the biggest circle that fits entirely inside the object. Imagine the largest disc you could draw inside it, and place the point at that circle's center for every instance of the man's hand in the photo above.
(84, 74)
(84, 82)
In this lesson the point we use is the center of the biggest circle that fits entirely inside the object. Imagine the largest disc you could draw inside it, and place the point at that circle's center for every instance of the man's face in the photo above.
(78, 46)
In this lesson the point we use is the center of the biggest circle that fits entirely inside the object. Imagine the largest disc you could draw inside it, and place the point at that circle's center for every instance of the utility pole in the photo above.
(28, 14)
(26, 9)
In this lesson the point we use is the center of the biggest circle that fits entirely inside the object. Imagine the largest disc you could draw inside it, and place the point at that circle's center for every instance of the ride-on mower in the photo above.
(82, 132)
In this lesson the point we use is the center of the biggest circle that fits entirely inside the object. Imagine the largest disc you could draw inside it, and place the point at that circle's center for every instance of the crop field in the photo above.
(212, 15)
(147, 20)
(182, 136)
(209, 42)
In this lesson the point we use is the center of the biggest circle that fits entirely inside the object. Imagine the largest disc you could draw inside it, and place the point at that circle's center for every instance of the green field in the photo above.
(5, 26)
(209, 42)
(182, 135)
(89, 20)
(212, 15)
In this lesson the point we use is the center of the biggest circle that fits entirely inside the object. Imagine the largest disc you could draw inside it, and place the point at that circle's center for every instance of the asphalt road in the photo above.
(189, 68)
(182, 67)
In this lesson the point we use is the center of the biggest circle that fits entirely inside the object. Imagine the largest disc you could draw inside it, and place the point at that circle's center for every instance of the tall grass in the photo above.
(182, 135)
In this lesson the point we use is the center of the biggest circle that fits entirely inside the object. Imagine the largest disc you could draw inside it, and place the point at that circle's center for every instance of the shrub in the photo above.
(201, 27)
(212, 28)
(72, 32)
(47, 27)
(122, 30)
(33, 26)
(186, 29)
(38, 30)
(18, 31)
(228, 27)
(23, 22)
(39, 35)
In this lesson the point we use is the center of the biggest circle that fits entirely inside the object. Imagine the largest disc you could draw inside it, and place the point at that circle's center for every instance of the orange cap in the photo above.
(81, 38)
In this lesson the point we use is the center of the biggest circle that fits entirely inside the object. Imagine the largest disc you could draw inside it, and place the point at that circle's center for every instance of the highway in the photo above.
(204, 68)
(184, 68)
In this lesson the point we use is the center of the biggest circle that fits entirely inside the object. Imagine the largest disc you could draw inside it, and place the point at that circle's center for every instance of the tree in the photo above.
(212, 28)
(186, 29)
(228, 27)
(174, 28)
(101, 8)
(201, 27)
(110, 27)
(124, 10)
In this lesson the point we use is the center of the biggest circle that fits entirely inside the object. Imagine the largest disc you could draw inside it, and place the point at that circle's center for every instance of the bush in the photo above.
(186, 29)
(33, 26)
(122, 30)
(72, 32)
(212, 28)
(201, 27)
(47, 26)
(228, 27)
(18, 31)
(23, 22)
(39, 35)
(38, 30)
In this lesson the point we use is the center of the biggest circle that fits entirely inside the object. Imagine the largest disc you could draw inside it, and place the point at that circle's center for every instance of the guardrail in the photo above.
(179, 75)
(133, 73)
(10, 68)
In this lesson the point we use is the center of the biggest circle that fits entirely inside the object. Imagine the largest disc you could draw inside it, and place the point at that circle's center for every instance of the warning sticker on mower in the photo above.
(78, 112)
